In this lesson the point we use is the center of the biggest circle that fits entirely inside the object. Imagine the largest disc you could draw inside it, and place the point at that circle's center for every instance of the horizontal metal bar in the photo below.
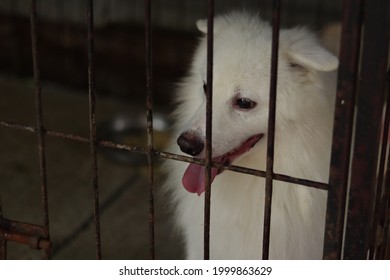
(166, 155)
(18, 126)
(26, 233)
(299, 181)
(74, 137)
(25, 228)
(34, 241)
(245, 170)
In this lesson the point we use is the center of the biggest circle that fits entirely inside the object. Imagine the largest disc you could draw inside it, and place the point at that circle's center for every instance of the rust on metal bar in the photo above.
(100, 143)
(245, 170)
(149, 121)
(385, 246)
(25, 228)
(30, 234)
(343, 126)
(18, 126)
(92, 127)
(67, 136)
(167, 155)
(208, 146)
(271, 128)
(3, 247)
(384, 249)
(299, 181)
(380, 208)
(3, 240)
(368, 128)
(35, 242)
(39, 120)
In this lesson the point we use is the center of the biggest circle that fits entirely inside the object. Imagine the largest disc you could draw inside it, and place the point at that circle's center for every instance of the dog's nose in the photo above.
(190, 144)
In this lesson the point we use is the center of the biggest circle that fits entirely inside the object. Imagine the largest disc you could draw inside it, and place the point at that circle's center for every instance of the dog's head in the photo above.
(241, 85)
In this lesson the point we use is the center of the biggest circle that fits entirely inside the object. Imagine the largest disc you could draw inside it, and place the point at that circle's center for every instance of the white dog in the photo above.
(304, 117)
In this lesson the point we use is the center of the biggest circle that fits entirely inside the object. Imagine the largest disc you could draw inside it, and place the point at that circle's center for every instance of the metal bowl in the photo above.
(130, 129)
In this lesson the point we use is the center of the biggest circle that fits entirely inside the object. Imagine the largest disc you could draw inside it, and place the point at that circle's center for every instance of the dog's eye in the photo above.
(297, 66)
(245, 103)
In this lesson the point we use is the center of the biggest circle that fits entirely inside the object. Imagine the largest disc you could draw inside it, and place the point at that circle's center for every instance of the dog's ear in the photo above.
(202, 25)
(304, 49)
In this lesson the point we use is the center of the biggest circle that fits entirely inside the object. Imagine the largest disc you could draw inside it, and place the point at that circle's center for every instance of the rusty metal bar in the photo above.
(385, 246)
(31, 234)
(380, 194)
(208, 146)
(149, 119)
(35, 242)
(299, 181)
(3, 240)
(3, 247)
(380, 232)
(384, 249)
(271, 128)
(385, 202)
(18, 126)
(39, 120)
(92, 127)
(343, 126)
(25, 228)
(166, 155)
(368, 128)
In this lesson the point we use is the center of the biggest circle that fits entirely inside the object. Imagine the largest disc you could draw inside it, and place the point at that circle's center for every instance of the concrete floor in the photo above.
(123, 187)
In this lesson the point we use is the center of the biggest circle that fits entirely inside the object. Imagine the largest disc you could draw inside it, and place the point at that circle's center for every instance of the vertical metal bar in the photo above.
(209, 106)
(385, 250)
(3, 240)
(271, 128)
(40, 129)
(343, 126)
(380, 185)
(368, 128)
(3, 248)
(385, 246)
(92, 127)
(386, 197)
(149, 117)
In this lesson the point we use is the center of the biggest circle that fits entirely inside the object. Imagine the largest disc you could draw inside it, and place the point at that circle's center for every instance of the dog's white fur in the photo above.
(304, 114)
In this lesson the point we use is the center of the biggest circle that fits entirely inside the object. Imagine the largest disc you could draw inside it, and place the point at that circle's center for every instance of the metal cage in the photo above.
(358, 208)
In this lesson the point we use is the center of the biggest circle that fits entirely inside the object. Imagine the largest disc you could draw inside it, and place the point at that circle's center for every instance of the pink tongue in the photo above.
(194, 178)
